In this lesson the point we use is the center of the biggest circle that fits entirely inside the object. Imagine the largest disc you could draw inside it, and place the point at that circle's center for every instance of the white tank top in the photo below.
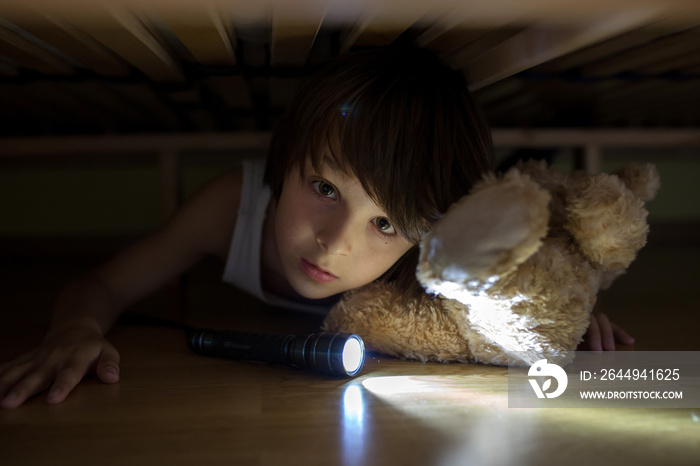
(242, 267)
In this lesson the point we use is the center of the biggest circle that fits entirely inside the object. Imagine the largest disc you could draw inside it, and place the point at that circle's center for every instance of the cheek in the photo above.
(292, 220)
(379, 260)
(286, 227)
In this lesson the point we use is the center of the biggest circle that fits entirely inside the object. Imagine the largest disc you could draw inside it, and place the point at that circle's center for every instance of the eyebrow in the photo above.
(332, 165)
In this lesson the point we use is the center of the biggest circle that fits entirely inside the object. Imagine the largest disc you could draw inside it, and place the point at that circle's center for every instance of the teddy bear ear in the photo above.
(486, 234)
(607, 220)
(642, 179)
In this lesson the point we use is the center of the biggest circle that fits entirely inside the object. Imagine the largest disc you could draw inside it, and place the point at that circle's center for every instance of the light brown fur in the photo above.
(512, 270)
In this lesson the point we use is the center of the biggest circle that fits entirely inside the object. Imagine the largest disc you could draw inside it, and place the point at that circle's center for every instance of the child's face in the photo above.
(331, 237)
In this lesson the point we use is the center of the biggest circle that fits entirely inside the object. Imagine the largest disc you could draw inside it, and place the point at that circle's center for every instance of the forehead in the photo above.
(332, 156)
(328, 165)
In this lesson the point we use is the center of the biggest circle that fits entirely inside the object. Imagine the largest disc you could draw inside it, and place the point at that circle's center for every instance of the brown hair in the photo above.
(399, 120)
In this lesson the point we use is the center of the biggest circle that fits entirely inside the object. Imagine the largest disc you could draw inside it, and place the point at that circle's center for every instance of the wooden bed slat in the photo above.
(291, 43)
(647, 54)
(203, 32)
(86, 52)
(539, 44)
(619, 44)
(125, 34)
(29, 54)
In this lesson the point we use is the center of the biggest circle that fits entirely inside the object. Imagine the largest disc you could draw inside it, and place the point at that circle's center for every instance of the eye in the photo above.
(384, 225)
(324, 189)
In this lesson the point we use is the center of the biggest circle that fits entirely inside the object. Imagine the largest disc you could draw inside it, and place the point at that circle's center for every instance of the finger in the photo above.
(68, 377)
(33, 383)
(622, 336)
(606, 333)
(12, 376)
(593, 335)
(108, 365)
(16, 362)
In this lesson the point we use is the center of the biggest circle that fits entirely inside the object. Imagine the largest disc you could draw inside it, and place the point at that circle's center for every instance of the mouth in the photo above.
(316, 273)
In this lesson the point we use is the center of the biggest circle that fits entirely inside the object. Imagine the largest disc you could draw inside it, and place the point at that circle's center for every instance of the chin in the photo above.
(306, 292)
(312, 290)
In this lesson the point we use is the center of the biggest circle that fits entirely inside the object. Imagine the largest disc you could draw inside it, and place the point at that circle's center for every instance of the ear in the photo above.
(487, 233)
(642, 179)
(607, 220)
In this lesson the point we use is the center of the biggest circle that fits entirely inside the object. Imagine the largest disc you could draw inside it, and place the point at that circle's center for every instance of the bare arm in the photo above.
(86, 309)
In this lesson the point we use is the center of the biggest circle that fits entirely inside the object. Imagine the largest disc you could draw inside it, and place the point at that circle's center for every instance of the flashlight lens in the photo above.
(353, 355)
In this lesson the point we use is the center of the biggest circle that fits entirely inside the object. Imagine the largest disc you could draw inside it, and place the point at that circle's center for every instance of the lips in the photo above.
(316, 273)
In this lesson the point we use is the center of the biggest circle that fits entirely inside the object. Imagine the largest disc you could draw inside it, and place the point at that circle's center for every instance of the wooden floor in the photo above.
(175, 407)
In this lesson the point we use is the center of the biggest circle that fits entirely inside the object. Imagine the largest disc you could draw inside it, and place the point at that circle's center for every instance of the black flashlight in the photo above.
(336, 354)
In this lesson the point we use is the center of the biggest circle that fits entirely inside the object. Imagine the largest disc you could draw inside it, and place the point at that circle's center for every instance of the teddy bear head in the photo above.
(512, 270)
(505, 220)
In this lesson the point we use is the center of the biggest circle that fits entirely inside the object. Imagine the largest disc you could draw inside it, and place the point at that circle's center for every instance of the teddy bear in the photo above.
(512, 270)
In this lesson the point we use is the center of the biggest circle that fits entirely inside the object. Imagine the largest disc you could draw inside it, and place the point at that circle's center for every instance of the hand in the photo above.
(60, 363)
(602, 334)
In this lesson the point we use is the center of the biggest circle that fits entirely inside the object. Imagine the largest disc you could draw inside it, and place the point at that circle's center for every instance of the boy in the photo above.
(372, 151)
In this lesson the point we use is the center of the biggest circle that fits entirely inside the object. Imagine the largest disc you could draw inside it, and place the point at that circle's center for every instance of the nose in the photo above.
(336, 235)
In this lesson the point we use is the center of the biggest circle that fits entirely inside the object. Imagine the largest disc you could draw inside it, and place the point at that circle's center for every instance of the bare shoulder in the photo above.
(208, 218)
